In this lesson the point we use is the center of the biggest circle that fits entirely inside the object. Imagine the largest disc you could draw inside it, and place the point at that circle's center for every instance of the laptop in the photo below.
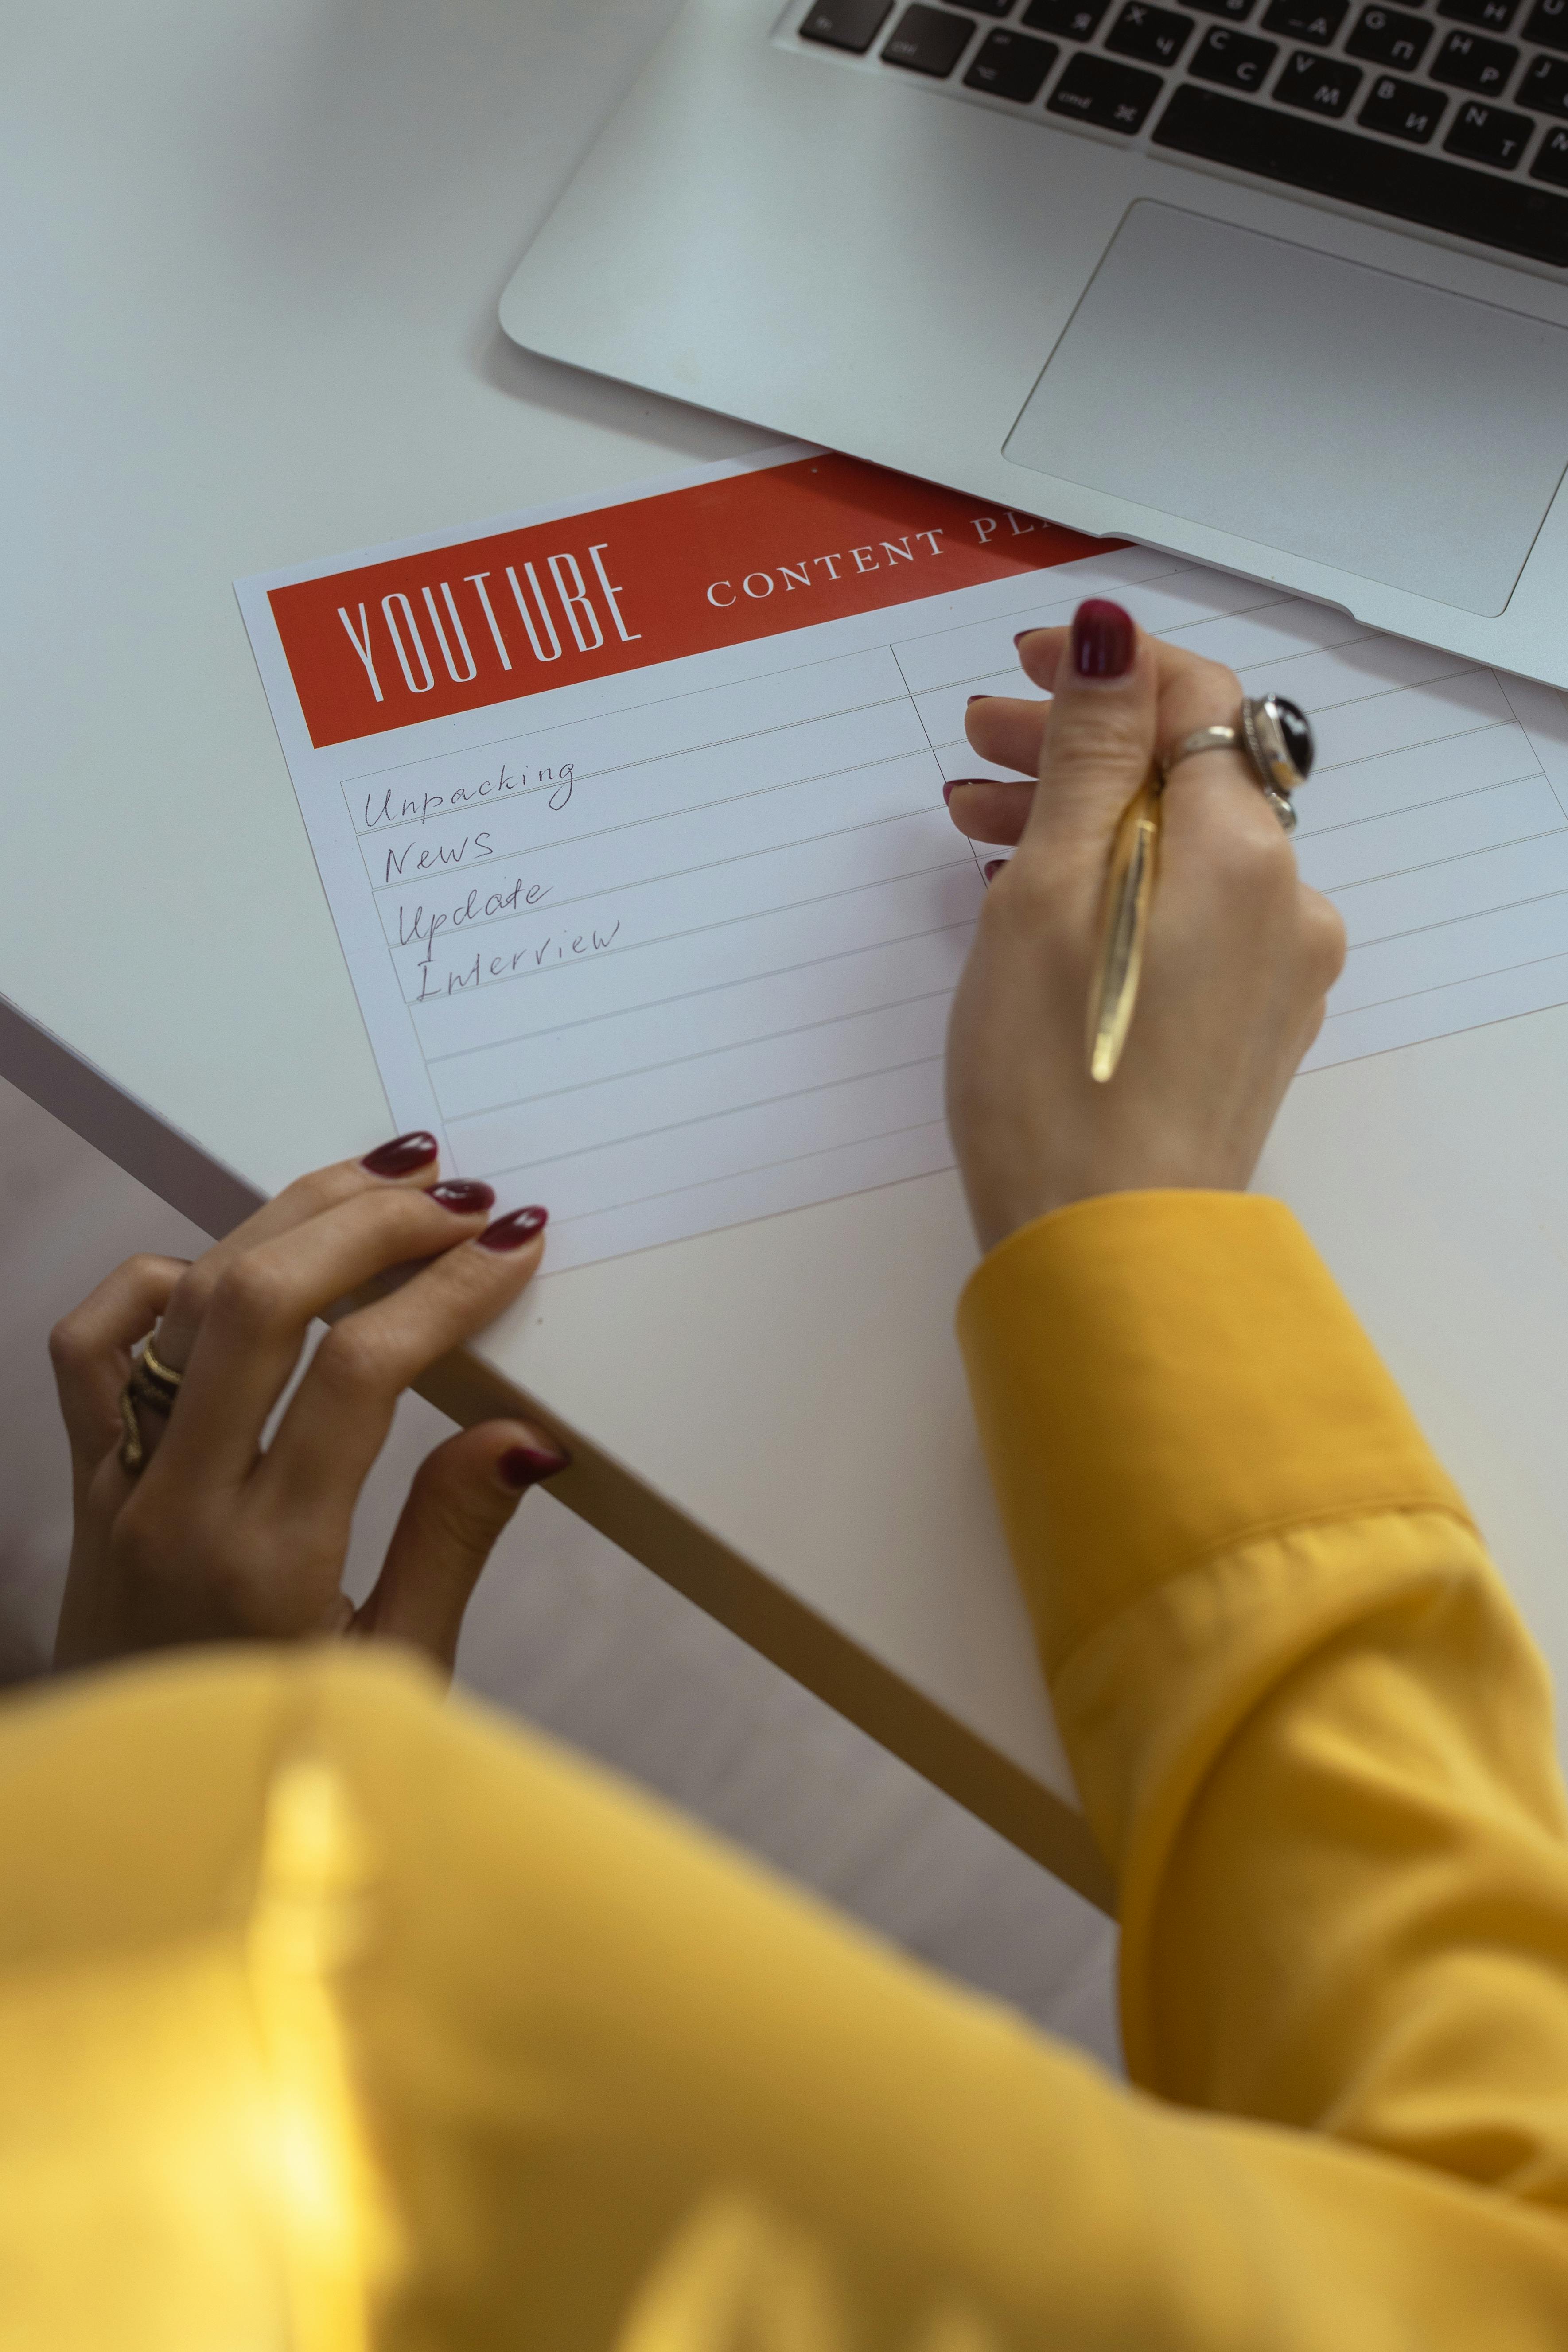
(1281, 285)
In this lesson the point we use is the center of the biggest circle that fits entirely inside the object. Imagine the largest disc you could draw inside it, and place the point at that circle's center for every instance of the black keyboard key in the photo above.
(1074, 20)
(1545, 86)
(1235, 58)
(1113, 98)
(1318, 85)
(1237, 11)
(846, 23)
(1485, 134)
(1158, 35)
(1011, 65)
(926, 40)
(1300, 153)
(989, 7)
(1551, 160)
(1467, 62)
(1306, 20)
(1487, 16)
(1547, 23)
(1389, 38)
(1404, 109)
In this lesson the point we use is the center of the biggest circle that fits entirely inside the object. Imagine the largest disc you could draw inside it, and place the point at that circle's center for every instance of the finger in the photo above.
(1100, 749)
(1310, 1033)
(256, 1316)
(984, 809)
(1010, 732)
(463, 1495)
(1041, 653)
(338, 1418)
(1324, 936)
(1224, 783)
(1006, 731)
(408, 1160)
(91, 1351)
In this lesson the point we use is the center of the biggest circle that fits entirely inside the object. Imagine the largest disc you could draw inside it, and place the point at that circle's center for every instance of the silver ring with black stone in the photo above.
(1276, 739)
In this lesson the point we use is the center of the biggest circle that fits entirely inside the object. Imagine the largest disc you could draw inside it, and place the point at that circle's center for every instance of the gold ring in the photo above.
(155, 1384)
(162, 1376)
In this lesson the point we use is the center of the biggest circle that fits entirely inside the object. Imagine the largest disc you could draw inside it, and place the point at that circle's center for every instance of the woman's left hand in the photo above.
(220, 1539)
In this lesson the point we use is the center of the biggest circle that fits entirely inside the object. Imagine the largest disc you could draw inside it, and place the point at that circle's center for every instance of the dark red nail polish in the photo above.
(992, 867)
(464, 1195)
(977, 697)
(1104, 640)
(947, 794)
(1023, 633)
(511, 1232)
(403, 1155)
(525, 1465)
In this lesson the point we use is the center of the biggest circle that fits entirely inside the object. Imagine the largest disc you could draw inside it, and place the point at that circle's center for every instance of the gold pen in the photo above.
(1129, 894)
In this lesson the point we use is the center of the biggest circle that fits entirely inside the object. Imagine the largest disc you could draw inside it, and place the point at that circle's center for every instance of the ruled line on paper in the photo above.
(701, 1054)
(720, 987)
(811, 936)
(739, 1143)
(733, 1112)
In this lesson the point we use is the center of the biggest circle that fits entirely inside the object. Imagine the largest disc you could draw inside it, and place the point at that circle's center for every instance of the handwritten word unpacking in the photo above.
(388, 804)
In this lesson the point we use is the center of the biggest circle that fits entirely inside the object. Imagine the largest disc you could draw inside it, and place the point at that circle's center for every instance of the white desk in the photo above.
(251, 277)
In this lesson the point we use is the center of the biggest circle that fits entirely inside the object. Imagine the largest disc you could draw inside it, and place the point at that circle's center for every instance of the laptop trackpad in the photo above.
(1310, 404)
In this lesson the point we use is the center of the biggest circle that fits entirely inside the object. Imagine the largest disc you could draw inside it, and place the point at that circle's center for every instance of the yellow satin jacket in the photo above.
(335, 2016)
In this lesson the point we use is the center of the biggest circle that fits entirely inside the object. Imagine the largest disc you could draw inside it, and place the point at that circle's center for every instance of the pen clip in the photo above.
(1129, 893)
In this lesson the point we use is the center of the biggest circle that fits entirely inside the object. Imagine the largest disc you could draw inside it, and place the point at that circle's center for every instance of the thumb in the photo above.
(463, 1495)
(1100, 745)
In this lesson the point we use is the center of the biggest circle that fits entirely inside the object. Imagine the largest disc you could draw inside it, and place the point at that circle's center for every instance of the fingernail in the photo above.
(1022, 634)
(525, 1465)
(1103, 639)
(947, 794)
(511, 1232)
(977, 697)
(464, 1196)
(403, 1155)
(992, 866)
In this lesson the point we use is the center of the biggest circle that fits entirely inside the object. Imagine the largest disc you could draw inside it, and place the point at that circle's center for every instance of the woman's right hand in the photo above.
(222, 1538)
(1239, 958)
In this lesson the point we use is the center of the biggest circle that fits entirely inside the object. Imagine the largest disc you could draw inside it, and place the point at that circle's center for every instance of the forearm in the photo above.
(1312, 1737)
(601, 2074)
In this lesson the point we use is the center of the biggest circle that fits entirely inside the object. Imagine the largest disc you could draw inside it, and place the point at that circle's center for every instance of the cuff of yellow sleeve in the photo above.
(1159, 1376)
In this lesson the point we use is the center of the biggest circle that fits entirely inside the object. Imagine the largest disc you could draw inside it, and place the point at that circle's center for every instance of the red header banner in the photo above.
(718, 564)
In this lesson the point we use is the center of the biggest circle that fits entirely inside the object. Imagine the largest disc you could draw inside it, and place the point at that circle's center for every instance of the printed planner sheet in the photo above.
(630, 820)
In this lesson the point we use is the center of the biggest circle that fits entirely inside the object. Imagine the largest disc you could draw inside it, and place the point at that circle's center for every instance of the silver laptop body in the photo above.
(1279, 284)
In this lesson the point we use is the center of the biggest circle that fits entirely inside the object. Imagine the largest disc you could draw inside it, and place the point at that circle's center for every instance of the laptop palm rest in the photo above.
(1310, 404)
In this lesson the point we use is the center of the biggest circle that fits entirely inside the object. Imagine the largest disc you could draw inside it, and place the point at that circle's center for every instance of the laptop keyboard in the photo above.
(1452, 115)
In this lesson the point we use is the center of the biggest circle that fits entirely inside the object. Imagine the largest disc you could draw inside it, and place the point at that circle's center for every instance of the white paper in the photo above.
(719, 986)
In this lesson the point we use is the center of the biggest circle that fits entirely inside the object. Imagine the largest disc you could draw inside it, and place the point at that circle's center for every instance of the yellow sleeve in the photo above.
(335, 2017)
(1309, 1729)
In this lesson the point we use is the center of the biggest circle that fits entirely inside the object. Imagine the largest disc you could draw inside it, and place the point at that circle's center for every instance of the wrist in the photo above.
(1003, 1203)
